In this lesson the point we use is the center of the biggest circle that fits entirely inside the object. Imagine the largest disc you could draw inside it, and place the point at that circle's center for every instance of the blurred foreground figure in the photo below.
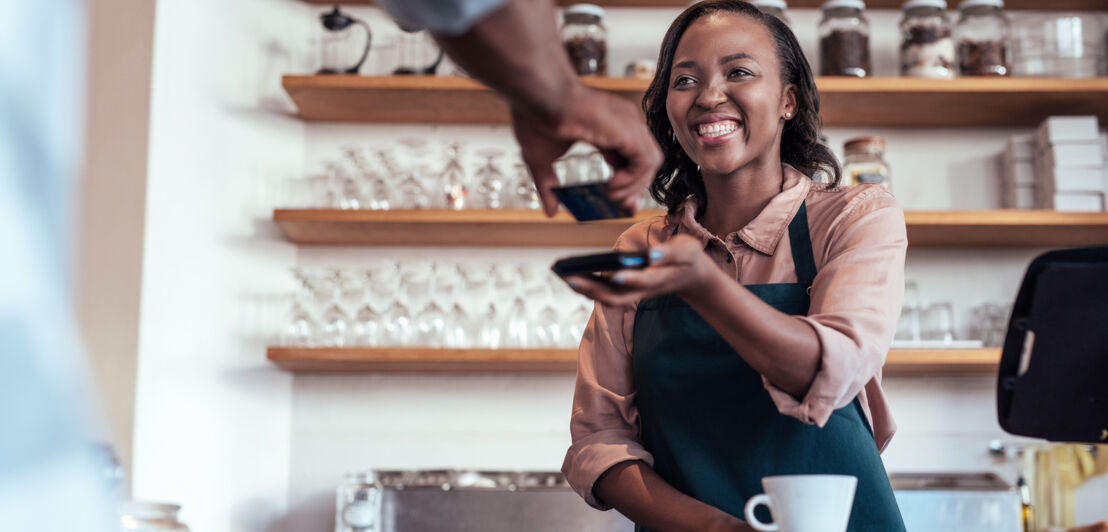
(48, 477)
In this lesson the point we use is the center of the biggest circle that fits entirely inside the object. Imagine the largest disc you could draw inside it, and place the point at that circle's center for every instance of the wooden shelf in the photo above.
(429, 360)
(422, 360)
(1006, 228)
(873, 102)
(522, 228)
(1055, 5)
(516, 228)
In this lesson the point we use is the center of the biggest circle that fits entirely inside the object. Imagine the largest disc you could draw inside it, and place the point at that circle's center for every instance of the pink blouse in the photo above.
(859, 242)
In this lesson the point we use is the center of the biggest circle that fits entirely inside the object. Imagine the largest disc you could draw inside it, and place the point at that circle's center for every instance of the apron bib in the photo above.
(712, 427)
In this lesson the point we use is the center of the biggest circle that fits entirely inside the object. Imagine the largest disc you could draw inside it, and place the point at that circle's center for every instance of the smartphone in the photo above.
(589, 201)
(602, 262)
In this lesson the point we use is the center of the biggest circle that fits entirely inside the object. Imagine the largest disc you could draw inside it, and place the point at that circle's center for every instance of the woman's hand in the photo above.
(678, 266)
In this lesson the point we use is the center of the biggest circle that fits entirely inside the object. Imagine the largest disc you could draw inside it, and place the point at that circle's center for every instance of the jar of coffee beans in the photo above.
(982, 37)
(844, 39)
(586, 39)
(865, 162)
(926, 40)
(776, 8)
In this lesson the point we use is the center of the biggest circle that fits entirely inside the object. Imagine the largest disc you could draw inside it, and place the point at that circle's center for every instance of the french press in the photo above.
(339, 45)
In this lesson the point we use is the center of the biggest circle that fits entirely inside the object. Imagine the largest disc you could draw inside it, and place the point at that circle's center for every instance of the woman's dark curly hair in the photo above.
(679, 177)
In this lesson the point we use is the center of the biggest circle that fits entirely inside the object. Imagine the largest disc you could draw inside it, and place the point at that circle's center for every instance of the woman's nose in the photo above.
(711, 96)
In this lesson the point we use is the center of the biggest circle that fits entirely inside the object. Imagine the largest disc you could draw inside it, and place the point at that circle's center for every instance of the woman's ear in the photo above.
(788, 102)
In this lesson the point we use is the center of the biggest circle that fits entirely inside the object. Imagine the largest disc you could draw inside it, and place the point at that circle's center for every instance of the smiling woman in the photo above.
(798, 136)
(752, 344)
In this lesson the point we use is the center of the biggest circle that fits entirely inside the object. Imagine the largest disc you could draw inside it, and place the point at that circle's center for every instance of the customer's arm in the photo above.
(516, 50)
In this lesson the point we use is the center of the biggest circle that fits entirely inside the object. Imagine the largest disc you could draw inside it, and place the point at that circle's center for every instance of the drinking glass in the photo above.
(576, 322)
(525, 196)
(346, 188)
(490, 182)
(908, 328)
(336, 323)
(939, 320)
(455, 182)
(375, 189)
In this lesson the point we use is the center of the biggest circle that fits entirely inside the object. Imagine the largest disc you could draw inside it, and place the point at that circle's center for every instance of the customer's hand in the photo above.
(611, 124)
(678, 266)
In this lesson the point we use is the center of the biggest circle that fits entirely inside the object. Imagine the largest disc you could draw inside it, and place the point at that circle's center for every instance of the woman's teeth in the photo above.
(716, 129)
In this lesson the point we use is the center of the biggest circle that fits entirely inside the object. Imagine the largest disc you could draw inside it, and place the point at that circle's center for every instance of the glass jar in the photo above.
(150, 517)
(982, 36)
(844, 39)
(926, 40)
(772, 7)
(585, 39)
(823, 174)
(358, 504)
(865, 162)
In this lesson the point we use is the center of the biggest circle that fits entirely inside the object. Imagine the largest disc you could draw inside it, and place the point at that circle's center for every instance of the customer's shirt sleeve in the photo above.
(855, 305)
(441, 17)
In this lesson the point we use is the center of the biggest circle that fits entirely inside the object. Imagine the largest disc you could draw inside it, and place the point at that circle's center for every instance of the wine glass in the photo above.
(412, 191)
(525, 195)
(300, 329)
(490, 181)
(576, 322)
(336, 322)
(368, 322)
(455, 182)
(375, 190)
(346, 188)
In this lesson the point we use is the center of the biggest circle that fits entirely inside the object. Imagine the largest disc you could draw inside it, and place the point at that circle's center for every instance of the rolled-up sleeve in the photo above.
(604, 424)
(856, 300)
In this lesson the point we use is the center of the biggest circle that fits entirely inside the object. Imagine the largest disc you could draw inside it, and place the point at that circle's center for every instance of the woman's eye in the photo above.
(683, 80)
(739, 72)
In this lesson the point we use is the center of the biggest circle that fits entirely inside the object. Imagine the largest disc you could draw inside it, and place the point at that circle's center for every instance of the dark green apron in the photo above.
(713, 429)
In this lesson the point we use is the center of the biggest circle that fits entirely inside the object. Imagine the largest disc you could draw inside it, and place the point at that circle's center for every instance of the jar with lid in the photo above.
(358, 505)
(772, 7)
(823, 173)
(926, 40)
(150, 517)
(982, 37)
(585, 39)
(844, 39)
(865, 162)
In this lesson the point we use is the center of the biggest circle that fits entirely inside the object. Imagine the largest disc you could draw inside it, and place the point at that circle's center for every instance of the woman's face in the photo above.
(726, 101)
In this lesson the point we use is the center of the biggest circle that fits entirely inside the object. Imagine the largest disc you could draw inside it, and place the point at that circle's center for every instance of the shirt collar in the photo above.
(764, 232)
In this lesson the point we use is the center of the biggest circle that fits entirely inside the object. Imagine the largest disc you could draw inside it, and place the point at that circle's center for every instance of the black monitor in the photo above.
(1053, 381)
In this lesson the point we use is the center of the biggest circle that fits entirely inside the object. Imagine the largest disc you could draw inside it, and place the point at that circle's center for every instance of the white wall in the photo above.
(112, 205)
(212, 418)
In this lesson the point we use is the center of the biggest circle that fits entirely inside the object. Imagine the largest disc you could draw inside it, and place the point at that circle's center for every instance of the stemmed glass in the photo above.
(490, 181)
(345, 187)
(368, 322)
(523, 187)
(301, 330)
(375, 190)
(576, 322)
(336, 323)
(431, 319)
(409, 191)
(453, 177)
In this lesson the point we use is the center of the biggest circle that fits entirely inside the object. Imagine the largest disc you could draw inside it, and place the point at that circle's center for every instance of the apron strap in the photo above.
(801, 243)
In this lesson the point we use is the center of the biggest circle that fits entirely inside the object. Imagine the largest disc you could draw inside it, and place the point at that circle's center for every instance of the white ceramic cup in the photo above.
(804, 503)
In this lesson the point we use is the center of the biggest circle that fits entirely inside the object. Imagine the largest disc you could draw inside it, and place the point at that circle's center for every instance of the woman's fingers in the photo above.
(602, 291)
